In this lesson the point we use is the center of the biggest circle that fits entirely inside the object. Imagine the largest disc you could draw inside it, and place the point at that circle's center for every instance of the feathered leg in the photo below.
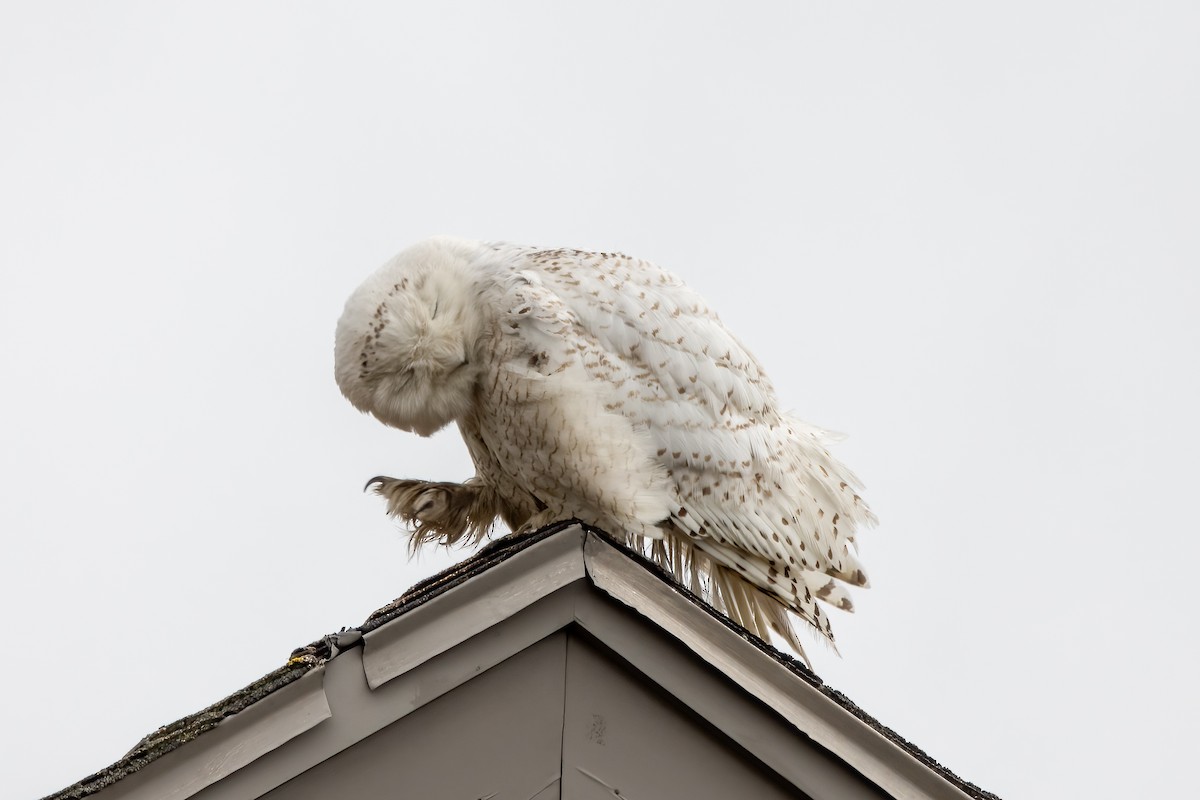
(445, 513)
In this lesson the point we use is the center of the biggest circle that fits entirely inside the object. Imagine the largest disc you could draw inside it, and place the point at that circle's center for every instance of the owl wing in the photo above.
(756, 490)
(551, 414)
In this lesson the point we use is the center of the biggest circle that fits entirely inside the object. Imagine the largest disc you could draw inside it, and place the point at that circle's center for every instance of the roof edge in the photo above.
(397, 638)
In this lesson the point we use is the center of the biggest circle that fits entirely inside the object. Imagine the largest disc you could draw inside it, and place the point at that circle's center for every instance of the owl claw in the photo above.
(413, 500)
(436, 511)
(378, 479)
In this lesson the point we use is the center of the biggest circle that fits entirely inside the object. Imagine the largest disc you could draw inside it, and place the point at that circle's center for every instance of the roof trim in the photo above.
(238, 741)
(514, 592)
(801, 703)
(510, 587)
(274, 709)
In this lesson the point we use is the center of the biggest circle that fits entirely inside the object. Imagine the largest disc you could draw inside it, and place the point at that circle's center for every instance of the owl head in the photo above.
(406, 349)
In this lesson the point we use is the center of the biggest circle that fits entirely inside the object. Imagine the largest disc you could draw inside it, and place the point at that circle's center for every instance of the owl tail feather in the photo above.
(753, 609)
(726, 589)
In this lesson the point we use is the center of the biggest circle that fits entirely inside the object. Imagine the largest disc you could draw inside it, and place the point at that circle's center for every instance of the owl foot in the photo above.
(437, 512)
(541, 519)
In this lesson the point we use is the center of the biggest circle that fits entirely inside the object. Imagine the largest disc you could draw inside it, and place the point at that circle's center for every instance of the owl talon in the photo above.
(437, 511)
(540, 520)
(430, 505)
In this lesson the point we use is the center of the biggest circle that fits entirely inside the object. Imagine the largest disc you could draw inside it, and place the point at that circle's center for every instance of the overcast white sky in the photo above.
(965, 235)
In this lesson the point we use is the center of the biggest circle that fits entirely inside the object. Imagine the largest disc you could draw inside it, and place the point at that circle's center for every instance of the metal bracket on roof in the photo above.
(343, 640)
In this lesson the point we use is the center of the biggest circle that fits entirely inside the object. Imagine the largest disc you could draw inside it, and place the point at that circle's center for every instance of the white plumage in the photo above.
(598, 386)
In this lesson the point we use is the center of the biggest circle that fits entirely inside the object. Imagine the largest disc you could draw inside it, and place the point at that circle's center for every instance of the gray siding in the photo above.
(496, 736)
(624, 737)
(593, 678)
(564, 709)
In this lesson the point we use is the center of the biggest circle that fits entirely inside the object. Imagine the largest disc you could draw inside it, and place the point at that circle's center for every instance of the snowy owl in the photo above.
(599, 387)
